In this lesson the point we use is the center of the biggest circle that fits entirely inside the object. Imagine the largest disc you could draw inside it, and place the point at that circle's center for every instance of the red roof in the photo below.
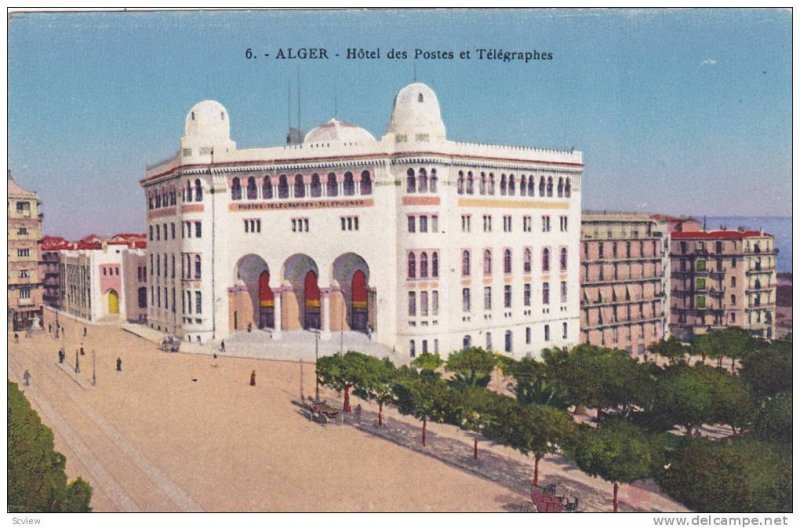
(723, 235)
(53, 243)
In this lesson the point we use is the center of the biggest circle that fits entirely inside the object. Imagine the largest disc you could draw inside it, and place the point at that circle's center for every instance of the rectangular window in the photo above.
(198, 302)
(547, 332)
(563, 223)
(412, 304)
(487, 223)
(487, 298)
(701, 265)
(563, 291)
(564, 330)
(488, 341)
(509, 341)
(172, 230)
(423, 224)
(526, 294)
(506, 224)
(526, 224)
(528, 335)
(700, 284)
(412, 224)
(344, 222)
(435, 303)
(247, 226)
(189, 301)
(545, 293)
(700, 301)
(25, 293)
(150, 234)
(545, 223)
(733, 282)
(423, 304)
(507, 296)
(434, 224)
(466, 226)
(466, 303)
(198, 230)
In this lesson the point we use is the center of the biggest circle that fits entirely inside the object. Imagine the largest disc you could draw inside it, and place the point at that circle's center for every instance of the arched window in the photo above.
(412, 266)
(422, 181)
(487, 262)
(561, 187)
(563, 259)
(411, 181)
(503, 185)
(465, 263)
(316, 186)
(333, 187)
(483, 183)
(197, 267)
(531, 186)
(435, 265)
(507, 261)
(283, 187)
(349, 187)
(423, 266)
(522, 185)
(266, 188)
(550, 186)
(252, 190)
(491, 183)
(526, 260)
(470, 183)
(299, 186)
(511, 185)
(198, 191)
(433, 181)
(419, 98)
(366, 183)
(466, 342)
(187, 195)
(158, 199)
(546, 259)
(460, 183)
(236, 190)
(541, 186)
(567, 188)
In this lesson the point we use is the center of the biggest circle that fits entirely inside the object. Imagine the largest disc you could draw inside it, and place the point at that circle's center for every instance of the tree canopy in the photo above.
(533, 383)
(768, 371)
(36, 479)
(427, 361)
(472, 366)
(671, 348)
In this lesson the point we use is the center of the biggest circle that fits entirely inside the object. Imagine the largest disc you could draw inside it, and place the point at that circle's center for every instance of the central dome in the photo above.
(416, 114)
(335, 131)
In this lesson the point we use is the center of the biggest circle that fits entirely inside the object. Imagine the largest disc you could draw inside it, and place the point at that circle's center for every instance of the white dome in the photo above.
(338, 132)
(208, 119)
(416, 113)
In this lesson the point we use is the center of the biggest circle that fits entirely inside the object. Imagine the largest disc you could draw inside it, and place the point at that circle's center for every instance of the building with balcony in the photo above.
(423, 243)
(723, 279)
(624, 275)
(50, 268)
(25, 289)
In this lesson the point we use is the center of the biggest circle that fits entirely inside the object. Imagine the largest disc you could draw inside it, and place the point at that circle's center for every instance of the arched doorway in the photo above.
(358, 289)
(266, 302)
(311, 318)
(113, 302)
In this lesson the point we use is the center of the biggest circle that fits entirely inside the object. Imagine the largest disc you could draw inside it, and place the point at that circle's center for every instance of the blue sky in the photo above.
(676, 111)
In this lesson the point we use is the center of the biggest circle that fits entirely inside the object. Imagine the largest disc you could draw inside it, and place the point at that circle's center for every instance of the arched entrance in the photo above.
(311, 318)
(113, 302)
(352, 306)
(359, 314)
(266, 302)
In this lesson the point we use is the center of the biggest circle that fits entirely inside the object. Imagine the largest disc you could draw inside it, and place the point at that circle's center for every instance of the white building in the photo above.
(427, 244)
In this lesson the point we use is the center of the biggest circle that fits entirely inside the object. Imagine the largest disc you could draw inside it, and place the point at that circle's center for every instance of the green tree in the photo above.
(768, 371)
(773, 418)
(477, 410)
(36, 479)
(691, 396)
(427, 361)
(377, 382)
(671, 348)
(534, 384)
(733, 475)
(472, 367)
(425, 397)
(734, 343)
(618, 452)
(534, 429)
(343, 372)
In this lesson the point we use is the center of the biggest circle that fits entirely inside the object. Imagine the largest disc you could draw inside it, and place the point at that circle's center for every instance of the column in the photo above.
(325, 314)
(276, 294)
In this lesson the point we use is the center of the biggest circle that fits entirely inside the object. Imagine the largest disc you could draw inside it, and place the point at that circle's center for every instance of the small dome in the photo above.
(209, 119)
(339, 132)
(416, 113)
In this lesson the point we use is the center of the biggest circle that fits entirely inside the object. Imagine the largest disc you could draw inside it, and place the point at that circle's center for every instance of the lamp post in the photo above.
(77, 362)
(316, 361)
(302, 396)
(94, 377)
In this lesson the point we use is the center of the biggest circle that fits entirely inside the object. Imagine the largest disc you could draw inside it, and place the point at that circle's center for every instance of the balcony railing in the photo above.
(760, 269)
(598, 282)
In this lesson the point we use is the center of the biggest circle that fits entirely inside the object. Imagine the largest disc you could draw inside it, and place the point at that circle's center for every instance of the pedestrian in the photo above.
(82, 352)
(222, 345)
(84, 331)
(249, 327)
(119, 364)
(60, 355)
(49, 328)
(16, 337)
(253, 379)
(56, 333)
(27, 377)
(357, 414)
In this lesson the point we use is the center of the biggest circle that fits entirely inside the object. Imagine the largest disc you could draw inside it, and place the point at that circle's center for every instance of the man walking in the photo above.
(119, 364)
(26, 377)
(253, 379)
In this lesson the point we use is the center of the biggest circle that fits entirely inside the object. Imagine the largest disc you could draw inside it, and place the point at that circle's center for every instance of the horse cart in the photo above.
(320, 411)
(547, 501)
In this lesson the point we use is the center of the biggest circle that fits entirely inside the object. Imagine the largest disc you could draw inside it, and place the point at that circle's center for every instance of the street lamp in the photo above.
(77, 362)
(316, 361)
(94, 378)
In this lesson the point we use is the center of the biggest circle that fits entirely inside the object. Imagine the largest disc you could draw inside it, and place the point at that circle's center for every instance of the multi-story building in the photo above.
(105, 279)
(24, 281)
(50, 268)
(423, 243)
(723, 279)
(624, 278)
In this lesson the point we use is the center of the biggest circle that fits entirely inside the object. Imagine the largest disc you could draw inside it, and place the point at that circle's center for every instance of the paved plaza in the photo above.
(186, 432)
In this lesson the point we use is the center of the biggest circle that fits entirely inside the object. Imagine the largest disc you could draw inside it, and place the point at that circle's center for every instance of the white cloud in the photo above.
(708, 62)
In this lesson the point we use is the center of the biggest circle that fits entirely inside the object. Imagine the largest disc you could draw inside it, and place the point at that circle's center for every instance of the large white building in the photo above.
(424, 243)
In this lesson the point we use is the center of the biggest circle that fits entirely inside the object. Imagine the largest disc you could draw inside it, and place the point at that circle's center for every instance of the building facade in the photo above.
(104, 279)
(423, 243)
(723, 279)
(624, 280)
(25, 291)
(50, 268)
